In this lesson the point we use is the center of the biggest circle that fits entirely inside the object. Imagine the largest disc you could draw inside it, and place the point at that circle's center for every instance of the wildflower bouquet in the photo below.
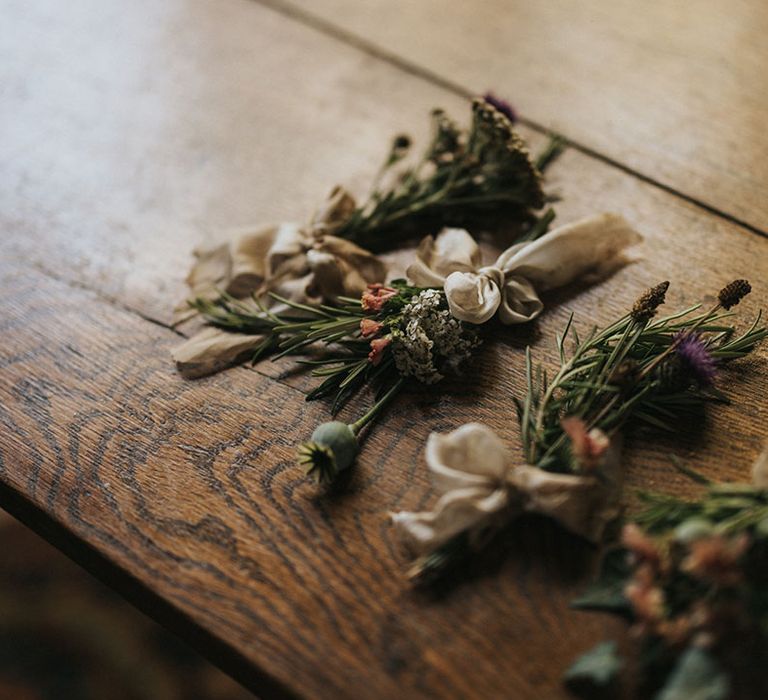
(464, 177)
(637, 371)
(390, 335)
(419, 330)
(475, 176)
(692, 578)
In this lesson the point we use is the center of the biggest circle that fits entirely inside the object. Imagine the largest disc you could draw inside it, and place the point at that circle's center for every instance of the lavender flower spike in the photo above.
(695, 357)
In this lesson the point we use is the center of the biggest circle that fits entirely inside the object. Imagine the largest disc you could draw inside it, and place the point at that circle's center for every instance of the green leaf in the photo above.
(697, 676)
(595, 670)
(606, 594)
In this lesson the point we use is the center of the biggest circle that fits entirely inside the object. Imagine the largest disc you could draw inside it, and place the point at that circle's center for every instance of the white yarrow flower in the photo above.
(431, 337)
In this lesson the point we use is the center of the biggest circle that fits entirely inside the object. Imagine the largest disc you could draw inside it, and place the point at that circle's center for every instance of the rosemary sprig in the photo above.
(463, 178)
(389, 337)
(635, 370)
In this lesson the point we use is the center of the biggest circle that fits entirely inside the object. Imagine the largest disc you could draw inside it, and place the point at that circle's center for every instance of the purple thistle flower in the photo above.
(695, 356)
(501, 105)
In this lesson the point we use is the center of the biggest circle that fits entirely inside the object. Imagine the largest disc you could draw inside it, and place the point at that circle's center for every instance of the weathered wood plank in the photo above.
(190, 487)
(676, 91)
(132, 132)
(124, 154)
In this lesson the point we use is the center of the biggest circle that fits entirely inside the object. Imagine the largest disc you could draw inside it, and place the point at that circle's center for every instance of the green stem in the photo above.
(359, 424)
(553, 150)
(540, 227)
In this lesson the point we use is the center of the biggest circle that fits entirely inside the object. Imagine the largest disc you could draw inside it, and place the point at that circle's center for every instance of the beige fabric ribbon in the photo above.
(590, 248)
(760, 471)
(302, 264)
(482, 487)
(299, 263)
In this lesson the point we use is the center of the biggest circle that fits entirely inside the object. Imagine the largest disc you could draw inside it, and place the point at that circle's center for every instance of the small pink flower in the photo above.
(369, 327)
(378, 345)
(647, 601)
(376, 296)
(641, 545)
(588, 447)
(716, 559)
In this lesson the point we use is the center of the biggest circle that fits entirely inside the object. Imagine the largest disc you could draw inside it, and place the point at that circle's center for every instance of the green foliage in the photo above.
(628, 372)
(606, 593)
(696, 676)
(463, 178)
(733, 508)
(594, 671)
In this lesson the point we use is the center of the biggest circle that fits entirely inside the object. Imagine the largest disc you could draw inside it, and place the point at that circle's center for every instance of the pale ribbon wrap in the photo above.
(760, 471)
(584, 250)
(482, 488)
(302, 264)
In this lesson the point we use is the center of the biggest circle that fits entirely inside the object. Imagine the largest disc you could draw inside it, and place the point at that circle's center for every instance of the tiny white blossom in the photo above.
(430, 337)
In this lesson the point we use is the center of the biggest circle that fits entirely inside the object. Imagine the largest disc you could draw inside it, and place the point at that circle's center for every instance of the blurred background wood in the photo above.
(133, 132)
(674, 91)
(65, 635)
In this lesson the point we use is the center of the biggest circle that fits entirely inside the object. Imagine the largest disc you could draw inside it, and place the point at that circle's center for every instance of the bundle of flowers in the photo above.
(691, 577)
(636, 371)
(417, 330)
(471, 177)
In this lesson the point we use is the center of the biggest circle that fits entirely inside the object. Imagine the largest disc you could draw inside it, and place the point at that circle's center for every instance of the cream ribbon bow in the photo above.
(298, 263)
(481, 487)
(591, 247)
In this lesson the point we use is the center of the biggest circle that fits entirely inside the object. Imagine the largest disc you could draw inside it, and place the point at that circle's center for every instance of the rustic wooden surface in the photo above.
(132, 132)
(674, 91)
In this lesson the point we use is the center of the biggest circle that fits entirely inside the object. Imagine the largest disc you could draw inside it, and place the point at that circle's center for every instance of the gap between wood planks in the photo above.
(319, 24)
(323, 26)
(116, 303)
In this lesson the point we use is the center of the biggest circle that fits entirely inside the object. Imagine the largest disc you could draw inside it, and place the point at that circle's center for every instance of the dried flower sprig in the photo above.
(403, 332)
(636, 371)
(390, 336)
(463, 178)
(692, 578)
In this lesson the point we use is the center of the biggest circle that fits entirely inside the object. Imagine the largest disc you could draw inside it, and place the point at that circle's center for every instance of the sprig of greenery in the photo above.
(732, 507)
(463, 178)
(345, 367)
(635, 370)
(389, 337)
(692, 577)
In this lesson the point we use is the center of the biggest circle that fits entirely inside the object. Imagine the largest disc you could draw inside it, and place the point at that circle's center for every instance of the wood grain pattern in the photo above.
(123, 153)
(193, 118)
(673, 90)
(190, 487)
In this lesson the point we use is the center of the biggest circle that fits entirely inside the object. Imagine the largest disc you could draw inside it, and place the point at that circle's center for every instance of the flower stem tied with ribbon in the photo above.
(635, 371)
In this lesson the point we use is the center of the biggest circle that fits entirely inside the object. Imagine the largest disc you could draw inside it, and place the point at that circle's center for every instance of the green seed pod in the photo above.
(332, 449)
(693, 529)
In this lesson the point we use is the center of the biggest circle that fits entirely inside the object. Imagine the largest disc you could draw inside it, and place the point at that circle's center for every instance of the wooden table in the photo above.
(133, 131)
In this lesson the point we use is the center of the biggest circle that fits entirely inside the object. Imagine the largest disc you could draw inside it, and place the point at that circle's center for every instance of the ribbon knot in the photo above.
(494, 274)
(299, 263)
(591, 247)
(481, 487)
